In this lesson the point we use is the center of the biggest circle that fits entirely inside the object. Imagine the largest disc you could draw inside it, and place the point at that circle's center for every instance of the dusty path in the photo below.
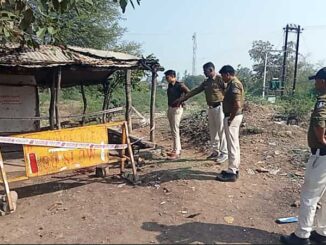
(177, 202)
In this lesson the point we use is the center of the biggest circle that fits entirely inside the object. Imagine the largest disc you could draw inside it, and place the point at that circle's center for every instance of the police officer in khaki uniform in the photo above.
(313, 189)
(232, 106)
(175, 90)
(214, 89)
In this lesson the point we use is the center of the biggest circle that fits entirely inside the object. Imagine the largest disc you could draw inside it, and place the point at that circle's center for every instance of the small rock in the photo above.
(165, 190)
(277, 152)
(121, 185)
(296, 204)
(162, 203)
(299, 174)
(250, 171)
(272, 143)
(229, 219)
(184, 212)
(274, 171)
(262, 170)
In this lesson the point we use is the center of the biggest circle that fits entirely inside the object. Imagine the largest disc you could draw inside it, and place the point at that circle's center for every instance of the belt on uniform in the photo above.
(322, 151)
(227, 114)
(214, 105)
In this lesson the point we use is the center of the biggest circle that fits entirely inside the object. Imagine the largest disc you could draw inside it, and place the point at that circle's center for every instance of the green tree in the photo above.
(32, 22)
(193, 81)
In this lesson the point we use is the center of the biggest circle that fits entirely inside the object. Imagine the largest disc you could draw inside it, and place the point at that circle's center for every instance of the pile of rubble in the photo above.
(194, 130)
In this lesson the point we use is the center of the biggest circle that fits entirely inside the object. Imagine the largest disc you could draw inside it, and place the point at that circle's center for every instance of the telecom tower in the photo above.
(194, 53)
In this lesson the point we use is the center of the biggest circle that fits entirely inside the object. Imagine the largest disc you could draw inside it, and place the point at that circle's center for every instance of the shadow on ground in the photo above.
(197, 232)
(76, 179)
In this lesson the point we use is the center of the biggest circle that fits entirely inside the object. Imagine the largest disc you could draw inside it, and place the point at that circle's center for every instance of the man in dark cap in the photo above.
(313, 189)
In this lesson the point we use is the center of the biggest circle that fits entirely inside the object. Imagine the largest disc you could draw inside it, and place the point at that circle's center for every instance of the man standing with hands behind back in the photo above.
(232, 106)
(175, 91)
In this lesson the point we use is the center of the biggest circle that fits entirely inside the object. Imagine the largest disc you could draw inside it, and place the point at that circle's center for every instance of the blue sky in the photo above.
(225, 29)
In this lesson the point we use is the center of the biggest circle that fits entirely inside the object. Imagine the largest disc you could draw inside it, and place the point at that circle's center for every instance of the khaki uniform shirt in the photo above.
(318, 118)
(234, 92)
(214, 90)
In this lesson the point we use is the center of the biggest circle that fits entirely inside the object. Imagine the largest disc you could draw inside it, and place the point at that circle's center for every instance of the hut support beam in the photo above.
(128, 99)
(152, 109)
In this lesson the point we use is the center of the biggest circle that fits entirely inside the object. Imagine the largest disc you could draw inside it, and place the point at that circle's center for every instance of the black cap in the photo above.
(321, 74)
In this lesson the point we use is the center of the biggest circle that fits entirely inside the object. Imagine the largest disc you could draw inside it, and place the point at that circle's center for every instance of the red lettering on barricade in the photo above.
(33, 163)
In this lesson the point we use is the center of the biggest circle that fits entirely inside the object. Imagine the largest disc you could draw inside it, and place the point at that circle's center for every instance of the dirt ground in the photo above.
(177, 201)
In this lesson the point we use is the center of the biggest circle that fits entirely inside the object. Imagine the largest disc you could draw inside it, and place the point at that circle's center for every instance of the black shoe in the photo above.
(227, 177)
(316, 238)
(294, 240)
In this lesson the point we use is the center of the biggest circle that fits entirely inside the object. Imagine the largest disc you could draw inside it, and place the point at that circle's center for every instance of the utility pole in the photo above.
(194, 53)
(296, 58)
(264, 82)
(286, 29)
(297, 30)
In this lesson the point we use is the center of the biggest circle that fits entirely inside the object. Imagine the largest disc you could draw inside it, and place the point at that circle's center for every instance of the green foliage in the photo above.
(32, 22)
(298, 106)
(193, 81)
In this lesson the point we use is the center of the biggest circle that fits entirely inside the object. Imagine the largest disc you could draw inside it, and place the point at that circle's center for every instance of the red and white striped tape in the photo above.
(61, 144)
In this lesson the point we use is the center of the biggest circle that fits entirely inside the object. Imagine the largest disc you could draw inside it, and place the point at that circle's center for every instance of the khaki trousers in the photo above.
(313, 191)
(216, 129)
(233, 144)
(174, 116)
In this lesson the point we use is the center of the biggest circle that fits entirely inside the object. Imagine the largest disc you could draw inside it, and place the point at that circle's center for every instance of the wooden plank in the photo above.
(131, 155)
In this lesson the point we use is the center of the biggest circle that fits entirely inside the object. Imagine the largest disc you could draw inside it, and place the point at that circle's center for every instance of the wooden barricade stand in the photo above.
(56, 151)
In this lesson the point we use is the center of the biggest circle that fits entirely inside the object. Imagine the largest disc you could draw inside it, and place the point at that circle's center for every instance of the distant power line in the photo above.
(315, 27)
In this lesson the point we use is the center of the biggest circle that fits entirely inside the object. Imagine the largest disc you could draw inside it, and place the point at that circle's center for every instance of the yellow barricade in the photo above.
(55, 151)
